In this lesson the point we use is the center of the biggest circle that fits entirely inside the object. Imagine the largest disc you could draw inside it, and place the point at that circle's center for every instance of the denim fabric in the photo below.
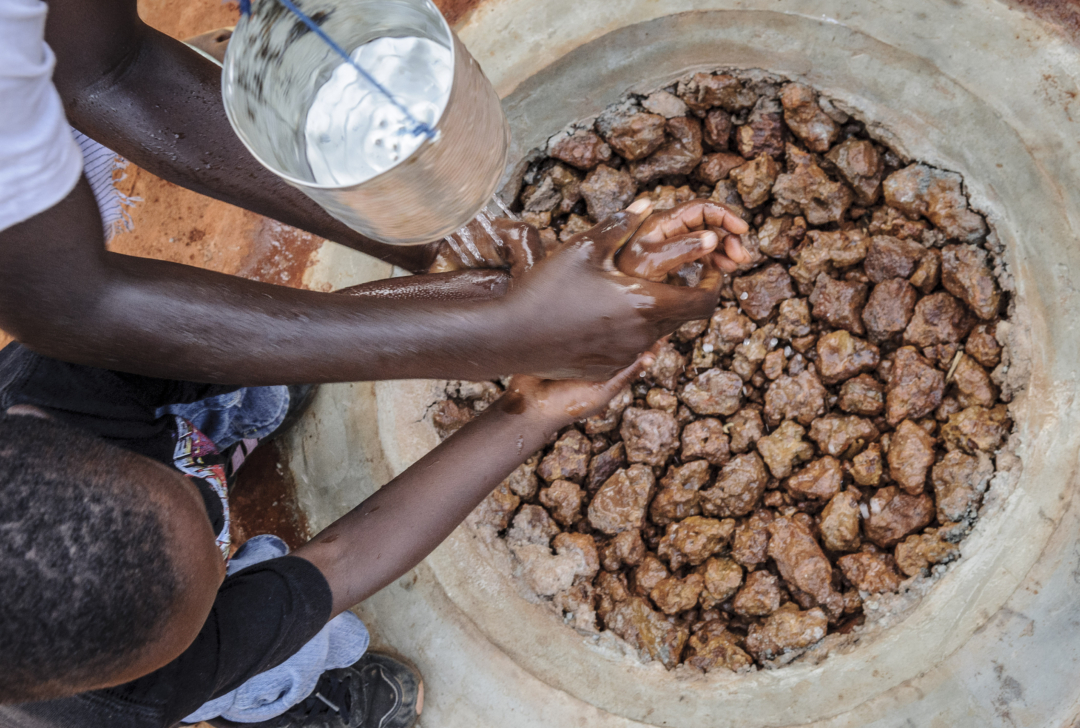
(250, 413)
(340, 643)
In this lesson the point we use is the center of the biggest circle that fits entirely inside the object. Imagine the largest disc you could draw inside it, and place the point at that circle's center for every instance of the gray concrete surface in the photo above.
(969, 85)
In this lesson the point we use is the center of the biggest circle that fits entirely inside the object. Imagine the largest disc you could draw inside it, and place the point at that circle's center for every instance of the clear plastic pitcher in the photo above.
(273, 70)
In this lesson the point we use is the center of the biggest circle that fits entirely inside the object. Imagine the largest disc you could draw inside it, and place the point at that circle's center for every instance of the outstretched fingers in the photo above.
(654, 261)
(610, 234)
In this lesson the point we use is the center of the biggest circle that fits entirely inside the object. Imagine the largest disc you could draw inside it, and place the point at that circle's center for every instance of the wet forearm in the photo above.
(160, 107)
(393, 530)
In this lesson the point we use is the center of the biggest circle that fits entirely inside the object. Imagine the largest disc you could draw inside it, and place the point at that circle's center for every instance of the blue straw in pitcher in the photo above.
(419, 128)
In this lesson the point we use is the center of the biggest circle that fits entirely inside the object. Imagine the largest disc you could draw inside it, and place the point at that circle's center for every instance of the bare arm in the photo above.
(158, 103)
(393, 530)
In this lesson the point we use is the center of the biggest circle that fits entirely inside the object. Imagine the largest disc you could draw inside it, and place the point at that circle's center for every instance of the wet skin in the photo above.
(158, 103)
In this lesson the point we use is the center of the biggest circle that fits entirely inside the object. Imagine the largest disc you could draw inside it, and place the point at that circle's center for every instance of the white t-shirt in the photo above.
(39, 159)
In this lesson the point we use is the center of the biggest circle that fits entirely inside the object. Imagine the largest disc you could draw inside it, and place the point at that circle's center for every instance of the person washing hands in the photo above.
(158, 103)
(124, 614)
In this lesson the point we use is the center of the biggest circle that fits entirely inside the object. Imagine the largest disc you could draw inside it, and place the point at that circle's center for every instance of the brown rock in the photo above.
(983, 347)
(916, 553)
(604, 465)
(959, 482)
(894, 514)
(799, 397)
(754, 179)
(839, 522)
(705, 438)
(717, 129)
(928, 273)
(864, 395)
(794, 319)
(532, 525)
(650, 572)
(824, 250)
(870, 572)
(820, 480)
(839, 303)
(705, 91)
(738, 487)
(973, 385)
(866, 467)
(803, 564)
(608, 420)
(915, 387)
(936, 195)
(717, 649)
(750, 544)
(678, 497)
(785, 448)
(621, 502)
(763, 132)
(725, 194)
(723, 577)
(808, 188)
(911, 453)
(842, 356)
(861, 166)
(939, 319)
(977, 429)
(448, 417)
(716, 392)
(497, 508)
(786, 631)
(523, 482)
(760, 293)
(891, 221)
(633, 136)
(568, 459)
(668, 366)
(574, 225)
(773, 366)
(694, 539)
(584, 546)
(745, 428)
(648, 631)
(806, 119)
(651, 436)
(727, 329)
(759, 597)
(626, 549)
(661, 399)
(674, 595)
(890, 257)
(778, 236)
(582, 149)
(563, 499)
(607, 191)
(716, 167)
(680, 154)
(965, 273)
(889, 309)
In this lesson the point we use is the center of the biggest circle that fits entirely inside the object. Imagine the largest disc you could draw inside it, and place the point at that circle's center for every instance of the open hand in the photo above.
(685, 233)
(588, 310)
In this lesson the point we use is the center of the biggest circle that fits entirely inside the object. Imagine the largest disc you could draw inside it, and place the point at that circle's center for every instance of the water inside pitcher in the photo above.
(407, 167)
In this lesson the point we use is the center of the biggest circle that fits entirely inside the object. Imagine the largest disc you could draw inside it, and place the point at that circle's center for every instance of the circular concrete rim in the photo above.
(894, 66)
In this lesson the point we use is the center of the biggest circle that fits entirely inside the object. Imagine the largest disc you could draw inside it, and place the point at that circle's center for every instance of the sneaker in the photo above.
(378, 691)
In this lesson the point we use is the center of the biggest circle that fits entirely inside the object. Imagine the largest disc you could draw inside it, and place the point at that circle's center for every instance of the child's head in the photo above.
(108, 565)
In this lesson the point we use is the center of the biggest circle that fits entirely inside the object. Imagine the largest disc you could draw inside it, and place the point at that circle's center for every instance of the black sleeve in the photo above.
(115, 406)
(262, 616)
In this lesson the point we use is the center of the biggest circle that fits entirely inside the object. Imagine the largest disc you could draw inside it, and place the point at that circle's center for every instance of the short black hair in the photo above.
(86, 578)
